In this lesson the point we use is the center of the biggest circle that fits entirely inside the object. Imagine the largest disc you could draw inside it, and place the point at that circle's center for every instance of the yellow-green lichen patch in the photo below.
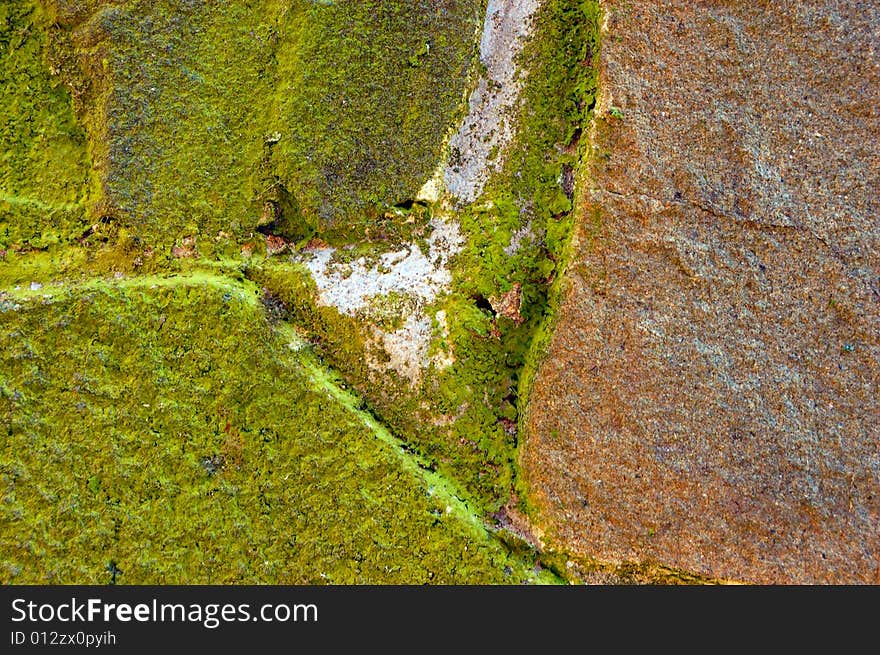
(44, 166)
(294, 117)
(189, 87)
(226, 134)
(160, 430)
(366, 90)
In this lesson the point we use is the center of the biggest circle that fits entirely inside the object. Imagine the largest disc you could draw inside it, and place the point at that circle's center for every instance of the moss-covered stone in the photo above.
(44, 163)
(160, 430)
(221, 135)
(365, 92)
(463, 416)
(224, 117)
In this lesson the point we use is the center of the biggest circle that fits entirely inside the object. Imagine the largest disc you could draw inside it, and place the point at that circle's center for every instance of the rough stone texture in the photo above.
(415, 278)
(488, 127)
(709, 398)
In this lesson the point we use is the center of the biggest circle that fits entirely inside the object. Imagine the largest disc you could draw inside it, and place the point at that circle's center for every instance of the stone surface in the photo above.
(709, 398)
(160, 430)
(477, 147)
(206, 117)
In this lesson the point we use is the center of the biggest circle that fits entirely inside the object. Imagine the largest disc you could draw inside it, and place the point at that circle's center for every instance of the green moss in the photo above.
(516, 238)
(389, 312)
(580, 85)
(444, 419)
(300, 117)
(517, 235)
(209, 121)
(338, 337)
(365, 92)
(189, 86)
(463, 418)
(162, 428)
(44, 166)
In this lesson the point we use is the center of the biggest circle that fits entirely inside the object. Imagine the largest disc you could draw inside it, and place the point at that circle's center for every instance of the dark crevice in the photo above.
(567, 181)
(482, 303)
(281, 215)
(114, 571)
(408, 204)
(276, 310)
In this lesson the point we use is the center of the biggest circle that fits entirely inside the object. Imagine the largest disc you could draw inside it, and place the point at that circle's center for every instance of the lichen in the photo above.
(463, 412)
(209, 149)
(296, 117)
(44, 164)
(367, 88)
(162, 427)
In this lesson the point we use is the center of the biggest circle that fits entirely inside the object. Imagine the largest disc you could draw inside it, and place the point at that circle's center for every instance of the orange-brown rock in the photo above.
(709, 400)
(509, 304)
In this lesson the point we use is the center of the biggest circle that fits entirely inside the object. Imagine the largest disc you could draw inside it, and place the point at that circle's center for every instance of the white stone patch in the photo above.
(476, 150)
(432, 190)
(408, 346)
(353, 287)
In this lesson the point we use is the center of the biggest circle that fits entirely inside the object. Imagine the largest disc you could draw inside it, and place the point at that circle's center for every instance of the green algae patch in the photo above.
(44, 163)
(292, 117)
(161, 430)
(366, 90)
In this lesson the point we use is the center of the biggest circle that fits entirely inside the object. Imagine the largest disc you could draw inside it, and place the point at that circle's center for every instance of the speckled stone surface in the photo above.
(709, 398)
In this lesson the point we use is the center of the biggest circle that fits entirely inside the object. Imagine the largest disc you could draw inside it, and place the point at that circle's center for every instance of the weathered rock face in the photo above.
(709, 398)
(232, 251)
